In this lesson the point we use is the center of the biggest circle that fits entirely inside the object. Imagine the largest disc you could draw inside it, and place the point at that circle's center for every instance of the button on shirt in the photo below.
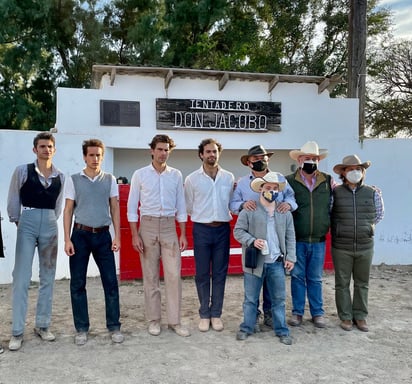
(159, 194)
(243, 193)
(207, 200)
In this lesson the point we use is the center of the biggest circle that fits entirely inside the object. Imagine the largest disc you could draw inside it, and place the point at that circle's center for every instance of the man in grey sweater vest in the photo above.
(92, 196)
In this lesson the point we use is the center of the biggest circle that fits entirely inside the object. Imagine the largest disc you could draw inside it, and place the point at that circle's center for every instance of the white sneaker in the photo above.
(15, 343)
(44, 334)
(117, 336)
(80, 338)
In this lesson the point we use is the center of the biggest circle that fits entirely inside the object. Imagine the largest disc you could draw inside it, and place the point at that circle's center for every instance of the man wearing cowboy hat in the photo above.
(356, 209)
(276, 241)
(313, 191)
(244, 197)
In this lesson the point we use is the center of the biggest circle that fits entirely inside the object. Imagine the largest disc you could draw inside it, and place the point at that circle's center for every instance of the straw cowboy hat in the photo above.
(257, 150)
(309, 148)
(270, 177)
(348, 161)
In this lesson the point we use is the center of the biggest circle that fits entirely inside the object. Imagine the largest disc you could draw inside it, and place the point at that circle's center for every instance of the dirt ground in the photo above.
(331, 355)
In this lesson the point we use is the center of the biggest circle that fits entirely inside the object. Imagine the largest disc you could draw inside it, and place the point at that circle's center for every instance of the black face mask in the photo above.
(259, 165)
(309, 168)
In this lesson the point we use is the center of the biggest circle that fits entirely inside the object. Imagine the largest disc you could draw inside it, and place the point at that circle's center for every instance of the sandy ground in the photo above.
(331, 355)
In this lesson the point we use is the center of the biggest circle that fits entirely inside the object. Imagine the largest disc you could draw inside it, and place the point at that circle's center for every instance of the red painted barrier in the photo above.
(130, 267)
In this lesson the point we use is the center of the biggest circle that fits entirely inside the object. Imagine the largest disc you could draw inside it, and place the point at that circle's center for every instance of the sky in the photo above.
(402, 15)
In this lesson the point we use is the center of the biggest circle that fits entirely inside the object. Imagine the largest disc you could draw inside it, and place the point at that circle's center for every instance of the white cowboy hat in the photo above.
(348, 161)
(270, 177)
(309, 148)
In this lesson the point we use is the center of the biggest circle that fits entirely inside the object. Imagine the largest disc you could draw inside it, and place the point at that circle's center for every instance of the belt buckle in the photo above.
(95, 230)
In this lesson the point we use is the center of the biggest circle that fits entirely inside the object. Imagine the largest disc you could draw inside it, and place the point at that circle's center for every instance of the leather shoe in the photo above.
(204, 325)
(319, 322)
(285, 339)
(346, 325)
(361, 325)
(241, 335)
(295, 320)
(180, 330)
(154, 328)
(217, 324)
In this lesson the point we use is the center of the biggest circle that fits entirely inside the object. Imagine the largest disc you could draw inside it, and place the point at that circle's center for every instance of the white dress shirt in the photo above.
(159, 194)
(207, 200)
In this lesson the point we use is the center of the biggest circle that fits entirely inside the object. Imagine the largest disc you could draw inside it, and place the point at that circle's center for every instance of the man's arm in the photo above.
(115, 214)
(13, 198)
(67, 225)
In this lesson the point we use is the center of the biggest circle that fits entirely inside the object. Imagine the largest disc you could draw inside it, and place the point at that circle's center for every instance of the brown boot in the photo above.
(361, 325)
(346, 325)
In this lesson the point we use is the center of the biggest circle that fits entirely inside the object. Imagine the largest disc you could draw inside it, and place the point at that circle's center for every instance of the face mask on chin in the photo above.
(270, 196)
(354, 176)
(309, 167)
(260, 165)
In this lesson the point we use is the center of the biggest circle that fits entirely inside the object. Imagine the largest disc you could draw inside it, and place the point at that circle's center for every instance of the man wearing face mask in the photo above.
(244, 197)
(276, 241)
(356, 209)
(313, 191)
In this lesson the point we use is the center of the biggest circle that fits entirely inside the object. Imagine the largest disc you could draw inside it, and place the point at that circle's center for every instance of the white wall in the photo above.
(305, 116)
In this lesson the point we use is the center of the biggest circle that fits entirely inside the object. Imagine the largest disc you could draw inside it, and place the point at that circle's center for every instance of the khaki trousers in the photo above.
(160, 242)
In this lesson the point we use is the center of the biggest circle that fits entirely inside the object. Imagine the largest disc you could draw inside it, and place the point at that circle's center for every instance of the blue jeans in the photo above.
(211, 246)
(37, 228)
(99, 245)
(306, 278)
(275, 275)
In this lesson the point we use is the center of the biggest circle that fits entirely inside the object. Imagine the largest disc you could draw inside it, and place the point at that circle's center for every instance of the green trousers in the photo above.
(354, 265)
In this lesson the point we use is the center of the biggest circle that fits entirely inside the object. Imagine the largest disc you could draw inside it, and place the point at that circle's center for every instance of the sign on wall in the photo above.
(120, 113)
(222, 115)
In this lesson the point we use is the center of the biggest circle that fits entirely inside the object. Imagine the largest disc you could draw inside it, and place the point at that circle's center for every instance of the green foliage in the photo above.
(45, 44)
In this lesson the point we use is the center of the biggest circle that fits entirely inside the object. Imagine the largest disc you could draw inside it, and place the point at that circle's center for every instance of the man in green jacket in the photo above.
(313, 191)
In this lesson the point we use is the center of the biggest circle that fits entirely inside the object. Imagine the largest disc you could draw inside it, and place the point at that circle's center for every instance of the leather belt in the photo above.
(215, 223)
(91, 229)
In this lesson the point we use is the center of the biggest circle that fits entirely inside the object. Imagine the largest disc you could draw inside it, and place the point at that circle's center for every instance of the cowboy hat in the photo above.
(309, 148)
(348, 161)
(270, 177)
(255, 151)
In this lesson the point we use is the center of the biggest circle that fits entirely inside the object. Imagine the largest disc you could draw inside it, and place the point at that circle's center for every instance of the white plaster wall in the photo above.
(305, 116)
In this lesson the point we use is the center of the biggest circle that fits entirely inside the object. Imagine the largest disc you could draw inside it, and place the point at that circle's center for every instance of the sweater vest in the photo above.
(311, 218)
(35, 195)
(353, 218)
(92, 205)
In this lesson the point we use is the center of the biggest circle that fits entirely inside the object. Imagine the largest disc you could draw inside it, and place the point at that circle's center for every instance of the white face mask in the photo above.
(354, 176)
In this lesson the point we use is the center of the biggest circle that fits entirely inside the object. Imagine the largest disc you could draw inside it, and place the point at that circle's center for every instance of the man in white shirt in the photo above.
(207, 192)
(159, 190)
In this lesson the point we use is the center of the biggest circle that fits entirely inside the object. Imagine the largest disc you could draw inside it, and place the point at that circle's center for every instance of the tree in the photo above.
(389, 104)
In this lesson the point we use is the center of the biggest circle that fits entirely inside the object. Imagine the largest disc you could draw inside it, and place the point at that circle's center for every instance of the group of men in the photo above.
(158, 198)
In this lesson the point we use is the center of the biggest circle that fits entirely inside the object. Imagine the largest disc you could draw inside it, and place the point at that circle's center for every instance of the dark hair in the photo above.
(205, 142)
(43, 136)
(92, 143)
(162, 139)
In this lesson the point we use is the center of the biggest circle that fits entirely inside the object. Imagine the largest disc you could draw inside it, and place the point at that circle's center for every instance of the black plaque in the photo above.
(120, 113)
(221, 115)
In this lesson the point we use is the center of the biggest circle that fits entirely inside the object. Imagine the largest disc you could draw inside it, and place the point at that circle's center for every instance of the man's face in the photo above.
(94, 158)
(270, 187)
(161, 153)
(210, 155)
(254, 158)
(45, 149)
(308, 159)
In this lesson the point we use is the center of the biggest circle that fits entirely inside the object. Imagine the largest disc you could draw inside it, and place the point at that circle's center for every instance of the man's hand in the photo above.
(137, 243)
(249, 205)
(283, 207)
(69, 248)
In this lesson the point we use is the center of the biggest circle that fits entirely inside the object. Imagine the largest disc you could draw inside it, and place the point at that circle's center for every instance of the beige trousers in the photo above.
(160, 242)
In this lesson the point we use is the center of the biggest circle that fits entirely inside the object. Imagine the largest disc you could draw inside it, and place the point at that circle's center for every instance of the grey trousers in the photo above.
(37, 228)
